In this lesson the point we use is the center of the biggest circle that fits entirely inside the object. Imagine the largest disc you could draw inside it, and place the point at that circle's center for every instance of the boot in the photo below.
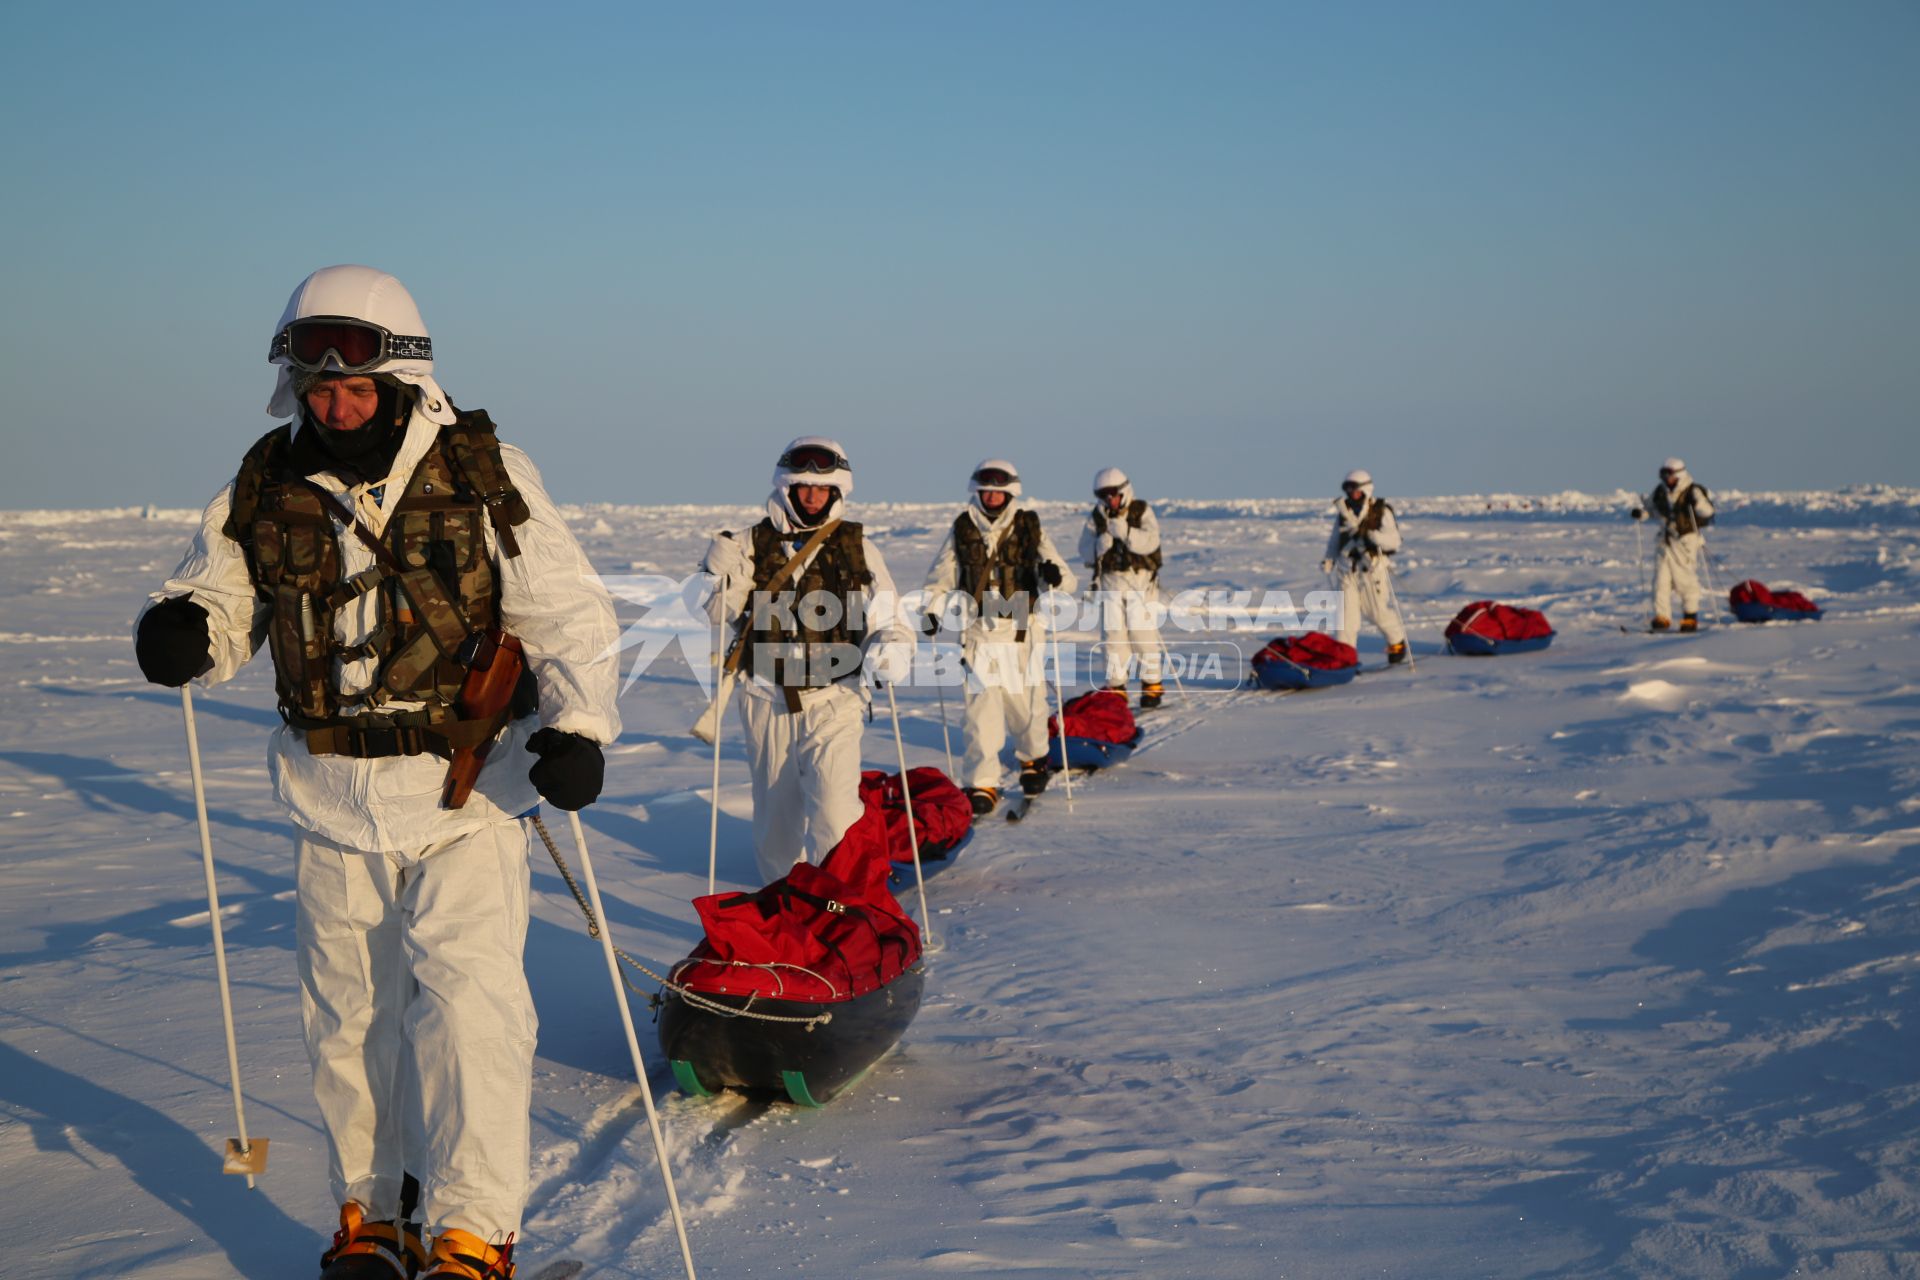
(983, 799)
(365, 1250)
(1659, 623)
(1397, 653)
(1150, 694)
(461, 1255)
(1689, 622)
(1034, 776)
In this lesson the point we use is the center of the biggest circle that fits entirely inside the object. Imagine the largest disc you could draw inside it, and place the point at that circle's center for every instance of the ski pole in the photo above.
(1713, 589)
(913, 833)
(1406, 619)
(713, 816)
(946, 734)
(1640, 558)
(633, 1040)
(721, 696)
(243, 1154)
(1060, 704)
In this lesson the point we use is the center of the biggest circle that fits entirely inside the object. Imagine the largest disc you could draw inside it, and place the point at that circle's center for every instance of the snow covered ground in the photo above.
(1599, 961)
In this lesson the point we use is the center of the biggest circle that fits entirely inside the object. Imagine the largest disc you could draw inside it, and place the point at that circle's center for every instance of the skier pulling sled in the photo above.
(1685, 509)
(800, 987)
(1751, 601)
(1100, 732)
(1311, 661)
(1484, 629)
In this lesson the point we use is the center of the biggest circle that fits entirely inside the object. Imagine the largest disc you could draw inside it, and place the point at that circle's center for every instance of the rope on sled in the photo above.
(691, 996)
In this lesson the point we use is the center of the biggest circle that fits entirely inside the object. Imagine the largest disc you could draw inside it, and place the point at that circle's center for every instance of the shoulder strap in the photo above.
(474, 449)
(251, 479)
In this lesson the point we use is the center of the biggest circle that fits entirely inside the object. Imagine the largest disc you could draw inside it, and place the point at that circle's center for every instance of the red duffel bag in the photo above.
(1102, 715)
(1497, 622)
(1314, 649)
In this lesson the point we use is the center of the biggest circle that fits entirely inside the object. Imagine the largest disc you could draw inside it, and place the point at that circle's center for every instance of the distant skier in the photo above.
(1120, 545)
(375, 542)
(813, 630)
(1364, 534)
(1684, 508)
(998, 559)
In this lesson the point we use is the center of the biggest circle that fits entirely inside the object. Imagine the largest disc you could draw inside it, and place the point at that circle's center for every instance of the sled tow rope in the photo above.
(667, 984)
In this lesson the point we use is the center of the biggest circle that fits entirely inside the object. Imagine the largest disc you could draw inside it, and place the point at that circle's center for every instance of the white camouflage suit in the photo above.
(1128, 632)
(1682, 507)
(806, 764)
(1358, 562)
(411, 919)
(1006, 687)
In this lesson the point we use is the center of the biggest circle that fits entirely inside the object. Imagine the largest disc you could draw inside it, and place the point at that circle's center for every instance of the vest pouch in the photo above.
(302, 676)
(269, 548)
(435, 609)
(459, 530)
(303, 548)
(404, 672)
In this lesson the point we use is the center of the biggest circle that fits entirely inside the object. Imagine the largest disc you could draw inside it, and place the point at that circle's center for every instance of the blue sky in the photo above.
(1234, 248)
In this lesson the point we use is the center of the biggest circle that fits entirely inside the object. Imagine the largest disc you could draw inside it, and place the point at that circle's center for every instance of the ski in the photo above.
(565, 1269)
(1017, 807)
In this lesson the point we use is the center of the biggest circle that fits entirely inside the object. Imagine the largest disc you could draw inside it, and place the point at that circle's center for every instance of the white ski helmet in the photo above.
(813, 460)
(1359, 481)
(350, 319)
(994, 475)
(1674, 465)
(1112, 478)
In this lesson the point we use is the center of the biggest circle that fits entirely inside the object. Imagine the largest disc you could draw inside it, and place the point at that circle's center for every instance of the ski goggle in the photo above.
(1668, 473)
(1109, 493)
(355, 345)
(813, 459)
(1351, 487)
(994, 477)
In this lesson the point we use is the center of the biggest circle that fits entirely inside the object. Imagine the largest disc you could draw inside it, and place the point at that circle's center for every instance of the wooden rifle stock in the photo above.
(487, 694)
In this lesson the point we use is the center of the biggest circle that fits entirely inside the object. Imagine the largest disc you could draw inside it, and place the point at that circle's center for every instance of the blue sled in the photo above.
(1281, 674)
(933, 859)
(1754, 611)
(1481, 647)
(1091, 753)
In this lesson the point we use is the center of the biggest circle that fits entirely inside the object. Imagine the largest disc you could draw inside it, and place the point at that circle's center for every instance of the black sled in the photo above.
(807, 1062)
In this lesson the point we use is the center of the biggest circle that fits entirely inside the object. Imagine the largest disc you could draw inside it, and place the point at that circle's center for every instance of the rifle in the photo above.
(493, 674)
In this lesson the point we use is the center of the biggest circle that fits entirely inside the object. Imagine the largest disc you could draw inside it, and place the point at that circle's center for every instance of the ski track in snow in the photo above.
(1599, 961)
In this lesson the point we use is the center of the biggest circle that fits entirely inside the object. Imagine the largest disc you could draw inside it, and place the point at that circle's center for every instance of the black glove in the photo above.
(172, 644)
(1050, 573)
(570, 769)
(1637, 514)
(930, 625)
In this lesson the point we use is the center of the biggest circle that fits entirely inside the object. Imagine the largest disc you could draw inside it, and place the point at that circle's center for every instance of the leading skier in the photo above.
(380, 543)
(1364, 534)
(816, 612)
(1685, 508)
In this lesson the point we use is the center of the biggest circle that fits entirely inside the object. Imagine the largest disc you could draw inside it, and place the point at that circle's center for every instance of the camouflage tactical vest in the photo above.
(1678, 512)
(433, 584)
(1369, 523)
(1010, 570)
(1120, 557)
(786, 642)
